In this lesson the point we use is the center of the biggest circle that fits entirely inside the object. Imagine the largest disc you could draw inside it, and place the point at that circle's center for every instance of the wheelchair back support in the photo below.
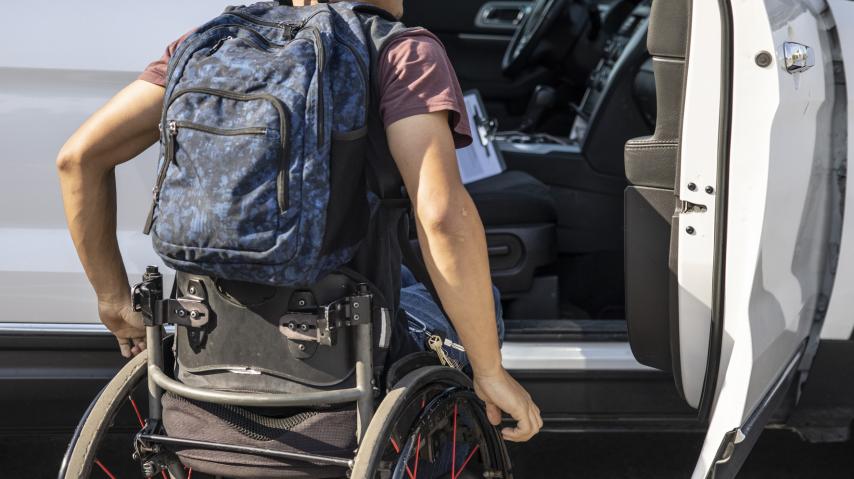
(274, 339)
(272, 370)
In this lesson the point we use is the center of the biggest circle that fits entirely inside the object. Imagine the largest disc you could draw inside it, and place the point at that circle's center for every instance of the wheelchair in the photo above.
(416, 419)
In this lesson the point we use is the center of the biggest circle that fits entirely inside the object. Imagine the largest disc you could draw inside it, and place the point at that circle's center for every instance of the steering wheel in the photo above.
(537, 22)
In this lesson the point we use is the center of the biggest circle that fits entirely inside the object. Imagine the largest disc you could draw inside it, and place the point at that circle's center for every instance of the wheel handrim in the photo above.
(454, 419)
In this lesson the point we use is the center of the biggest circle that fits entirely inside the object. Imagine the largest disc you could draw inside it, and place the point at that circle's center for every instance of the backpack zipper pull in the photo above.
(170, 144)
(290, 30)
(218, 45)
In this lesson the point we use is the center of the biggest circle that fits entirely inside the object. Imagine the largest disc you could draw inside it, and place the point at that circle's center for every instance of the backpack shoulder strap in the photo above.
(380, 29)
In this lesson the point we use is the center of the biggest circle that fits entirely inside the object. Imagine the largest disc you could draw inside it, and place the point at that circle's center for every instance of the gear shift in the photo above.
(543, 99)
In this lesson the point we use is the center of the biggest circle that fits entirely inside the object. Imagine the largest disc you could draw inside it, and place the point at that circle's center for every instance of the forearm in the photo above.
(456, 258)
(89, 196)
(120, 130)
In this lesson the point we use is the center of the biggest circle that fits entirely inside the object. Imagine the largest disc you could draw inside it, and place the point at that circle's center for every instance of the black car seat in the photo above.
(519, 215)
(651, 201)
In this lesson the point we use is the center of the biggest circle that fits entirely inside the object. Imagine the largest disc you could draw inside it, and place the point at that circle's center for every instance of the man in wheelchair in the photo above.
(302, 347)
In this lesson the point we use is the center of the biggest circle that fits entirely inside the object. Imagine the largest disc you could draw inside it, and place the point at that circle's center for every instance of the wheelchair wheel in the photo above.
(432, 426)
(116, 410)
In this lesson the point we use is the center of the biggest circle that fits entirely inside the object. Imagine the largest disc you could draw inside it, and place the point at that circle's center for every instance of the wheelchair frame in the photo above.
(422, 397)
(157, 311)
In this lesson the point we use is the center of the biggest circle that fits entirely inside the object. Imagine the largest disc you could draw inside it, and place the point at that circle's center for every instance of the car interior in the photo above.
(582, 226)
(571, 87)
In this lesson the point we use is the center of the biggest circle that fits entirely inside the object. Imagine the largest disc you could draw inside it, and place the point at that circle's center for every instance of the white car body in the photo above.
(781, 132)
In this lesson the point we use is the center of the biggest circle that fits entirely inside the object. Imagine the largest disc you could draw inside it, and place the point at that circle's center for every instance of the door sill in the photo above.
(562, 330)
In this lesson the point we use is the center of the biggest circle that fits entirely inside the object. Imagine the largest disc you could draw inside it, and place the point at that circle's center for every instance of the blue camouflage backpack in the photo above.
(263, 140)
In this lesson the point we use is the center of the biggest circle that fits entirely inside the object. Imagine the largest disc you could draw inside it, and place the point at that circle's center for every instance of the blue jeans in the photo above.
(426, 318)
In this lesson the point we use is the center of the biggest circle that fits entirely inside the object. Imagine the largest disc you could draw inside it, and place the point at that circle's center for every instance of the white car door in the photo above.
(52, 77)
(761, 127)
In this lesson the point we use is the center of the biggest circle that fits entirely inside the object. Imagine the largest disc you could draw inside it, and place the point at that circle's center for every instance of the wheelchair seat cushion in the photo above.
(512, 198)
(330, 432)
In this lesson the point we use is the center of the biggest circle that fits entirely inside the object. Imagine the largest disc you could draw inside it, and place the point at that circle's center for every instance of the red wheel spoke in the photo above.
(466, 462)
(454, 447)
(104, 468)
(190, 473)
(417, 453)
(136, 410)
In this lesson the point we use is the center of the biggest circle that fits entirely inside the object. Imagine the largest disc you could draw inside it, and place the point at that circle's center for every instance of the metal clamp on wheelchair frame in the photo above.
(190, 311)
(320, 325)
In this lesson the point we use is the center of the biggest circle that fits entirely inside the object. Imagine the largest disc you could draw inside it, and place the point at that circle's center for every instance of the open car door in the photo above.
(778, 214)
(747, 112)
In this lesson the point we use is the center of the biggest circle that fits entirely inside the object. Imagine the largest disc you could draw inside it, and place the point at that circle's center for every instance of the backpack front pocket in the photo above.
(223, 183)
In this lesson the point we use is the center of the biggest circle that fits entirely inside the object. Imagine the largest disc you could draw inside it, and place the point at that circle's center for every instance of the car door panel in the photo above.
(47, 89)
(701, 148)
(54, 353)
(839, 322)
(780, 208)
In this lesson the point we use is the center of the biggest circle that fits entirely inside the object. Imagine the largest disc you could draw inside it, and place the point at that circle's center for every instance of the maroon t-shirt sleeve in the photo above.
(416, 77)
(155, 72)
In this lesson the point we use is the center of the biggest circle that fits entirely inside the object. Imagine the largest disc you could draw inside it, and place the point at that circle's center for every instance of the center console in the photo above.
(616, 63)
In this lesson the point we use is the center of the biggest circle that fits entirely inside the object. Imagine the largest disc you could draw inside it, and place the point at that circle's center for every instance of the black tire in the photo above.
(93, 427)
(419, 398)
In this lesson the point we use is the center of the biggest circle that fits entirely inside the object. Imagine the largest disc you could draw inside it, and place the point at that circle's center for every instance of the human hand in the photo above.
(125, 323)
(501, 392)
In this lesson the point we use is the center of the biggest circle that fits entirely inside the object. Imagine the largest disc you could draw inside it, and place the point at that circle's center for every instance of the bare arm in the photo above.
(454, 246)
(119, 131)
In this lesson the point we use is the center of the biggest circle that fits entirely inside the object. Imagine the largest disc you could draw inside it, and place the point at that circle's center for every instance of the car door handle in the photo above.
(506, 15)
(798, 58)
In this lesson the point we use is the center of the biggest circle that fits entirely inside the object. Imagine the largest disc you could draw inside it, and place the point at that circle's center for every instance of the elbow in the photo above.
(451, 218)
(70, 159)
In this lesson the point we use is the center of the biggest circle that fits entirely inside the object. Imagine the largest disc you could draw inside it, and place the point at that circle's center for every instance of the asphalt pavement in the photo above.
(778, 455)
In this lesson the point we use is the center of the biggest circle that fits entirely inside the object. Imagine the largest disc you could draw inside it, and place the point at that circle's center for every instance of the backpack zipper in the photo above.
(363, 72)
(255, 130)
(364, 68)
(218, 45)
(182, 49)
(172, 132)
(321, 104)
(291, 28)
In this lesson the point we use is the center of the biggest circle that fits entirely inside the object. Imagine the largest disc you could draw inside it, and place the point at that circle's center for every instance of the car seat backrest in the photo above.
(651, 204)
(652, 160)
